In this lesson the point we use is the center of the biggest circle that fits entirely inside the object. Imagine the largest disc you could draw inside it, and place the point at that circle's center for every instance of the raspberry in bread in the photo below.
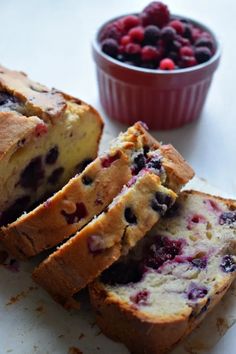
(45, 137)
(157, 294)
(101, 242)
(90, 192)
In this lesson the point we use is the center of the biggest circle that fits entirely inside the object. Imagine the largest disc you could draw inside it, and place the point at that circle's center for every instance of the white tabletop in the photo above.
(51, 41)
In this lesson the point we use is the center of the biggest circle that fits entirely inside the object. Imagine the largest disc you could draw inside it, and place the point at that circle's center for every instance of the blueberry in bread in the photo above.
(101, 242)
(155, 296)
(88, 193)
(45, 137)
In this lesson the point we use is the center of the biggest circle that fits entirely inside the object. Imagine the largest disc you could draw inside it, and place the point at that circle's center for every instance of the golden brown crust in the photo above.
(142, 335)
(38, 99)
(177, 169)
(13, 128)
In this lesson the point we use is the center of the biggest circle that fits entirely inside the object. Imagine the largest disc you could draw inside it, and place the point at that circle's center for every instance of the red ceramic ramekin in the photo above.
(161, 99)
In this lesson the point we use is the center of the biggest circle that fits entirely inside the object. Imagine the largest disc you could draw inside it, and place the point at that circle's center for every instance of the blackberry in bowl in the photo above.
(155, 67)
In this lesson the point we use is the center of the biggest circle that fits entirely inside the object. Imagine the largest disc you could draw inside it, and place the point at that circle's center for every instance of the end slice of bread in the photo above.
(152, 298)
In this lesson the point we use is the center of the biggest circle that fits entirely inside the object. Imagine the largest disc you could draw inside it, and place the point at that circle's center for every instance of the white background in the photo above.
(51, 41)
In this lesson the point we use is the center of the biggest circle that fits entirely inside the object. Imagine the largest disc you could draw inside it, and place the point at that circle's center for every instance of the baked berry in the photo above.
(202, 54)
(109, 159)
(197, 292)
(130, 217)
(87, 180)
(140, 298)
(139, 162)
(178, 26)
(156, 13)
(130, 22)
(228, 265)
(125, 40)
(204, 42)
(136, 34)
(163, 198)
(167, 64)
(186, 51)
(151, 34)
(168, 34)
(163, 250)
(112, 30)
(33, 174)
(155, 163)
(41, 129)
(52, 155)
(110, 47)
(80, 213)
(227, 217)
(149, 53)
(55, 175)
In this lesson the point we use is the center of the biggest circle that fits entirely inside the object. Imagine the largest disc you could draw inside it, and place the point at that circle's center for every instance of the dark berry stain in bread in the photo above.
(87, 180)
(130, 217)
(227, 217)
(196, 292)
(161, 251)
(228, 265)
(138, 163)
(52, 155)
(55, 175)
(33, 174)
(80, 213)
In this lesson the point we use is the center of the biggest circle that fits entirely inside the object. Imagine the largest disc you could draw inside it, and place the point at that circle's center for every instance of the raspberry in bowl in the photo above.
(155, 67)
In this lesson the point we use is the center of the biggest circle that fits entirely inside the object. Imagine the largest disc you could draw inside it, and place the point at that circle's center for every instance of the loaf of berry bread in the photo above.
(45, 138)
(101, 242)
(155, 296)
(88, 193)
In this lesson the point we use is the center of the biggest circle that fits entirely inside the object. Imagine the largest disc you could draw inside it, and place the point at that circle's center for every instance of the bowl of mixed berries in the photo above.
(155, 66)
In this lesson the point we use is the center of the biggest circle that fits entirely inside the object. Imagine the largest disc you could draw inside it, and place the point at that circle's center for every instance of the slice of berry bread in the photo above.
(156, 295)
(45, 137)
(89, 193)
(100, 243)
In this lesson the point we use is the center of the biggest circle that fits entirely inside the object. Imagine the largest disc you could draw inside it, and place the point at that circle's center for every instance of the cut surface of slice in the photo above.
(175, 275)
(99, 244)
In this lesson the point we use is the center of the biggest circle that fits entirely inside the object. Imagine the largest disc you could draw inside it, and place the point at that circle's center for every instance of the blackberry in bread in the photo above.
(101, 242)
(88, 193)
(45, 137)
(154, 296)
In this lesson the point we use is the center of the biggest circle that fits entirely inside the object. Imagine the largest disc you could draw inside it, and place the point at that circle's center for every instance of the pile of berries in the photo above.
(155, 39)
